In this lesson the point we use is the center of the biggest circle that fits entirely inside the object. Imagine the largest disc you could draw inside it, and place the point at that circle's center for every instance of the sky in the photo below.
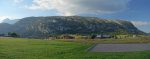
(136, 11)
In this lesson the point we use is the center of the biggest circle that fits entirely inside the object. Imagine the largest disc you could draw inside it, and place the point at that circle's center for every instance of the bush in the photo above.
(13, 34)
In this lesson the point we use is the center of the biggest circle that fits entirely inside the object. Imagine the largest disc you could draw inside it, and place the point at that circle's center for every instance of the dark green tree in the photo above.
(93, 37)
(13, 34)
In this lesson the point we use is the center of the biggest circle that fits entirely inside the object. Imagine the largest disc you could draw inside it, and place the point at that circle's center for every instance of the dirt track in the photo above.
(120, 47)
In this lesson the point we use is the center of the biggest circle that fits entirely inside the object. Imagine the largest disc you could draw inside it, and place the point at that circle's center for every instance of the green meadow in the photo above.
(20, 48)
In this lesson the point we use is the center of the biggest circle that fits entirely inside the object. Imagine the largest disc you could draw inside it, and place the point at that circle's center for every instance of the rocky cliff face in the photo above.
(44, 26)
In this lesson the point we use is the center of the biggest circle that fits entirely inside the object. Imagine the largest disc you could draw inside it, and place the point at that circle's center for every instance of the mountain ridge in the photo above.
(52, 25)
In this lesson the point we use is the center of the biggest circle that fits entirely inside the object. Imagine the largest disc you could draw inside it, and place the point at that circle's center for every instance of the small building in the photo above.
(52, 38)
(4, 35)
(103, 36)
(67, 37)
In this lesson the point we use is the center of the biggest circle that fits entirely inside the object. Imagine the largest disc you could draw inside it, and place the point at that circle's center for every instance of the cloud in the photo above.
(75, 7)
(141, 23)
(9, 17)
(2, 18)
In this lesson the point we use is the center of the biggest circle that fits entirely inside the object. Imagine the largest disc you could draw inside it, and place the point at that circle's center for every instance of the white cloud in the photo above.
(141, 23)
(74, 7)
(5, 17)
(2, 18)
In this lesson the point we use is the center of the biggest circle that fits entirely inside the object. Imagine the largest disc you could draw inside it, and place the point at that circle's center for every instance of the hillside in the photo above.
(44, 26)
(5, 27)
(148, 34)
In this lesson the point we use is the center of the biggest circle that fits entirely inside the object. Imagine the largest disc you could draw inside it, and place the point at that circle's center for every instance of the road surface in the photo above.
(120, 47)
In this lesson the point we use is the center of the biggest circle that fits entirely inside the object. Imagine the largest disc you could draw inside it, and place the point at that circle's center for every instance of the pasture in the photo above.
(20, 48)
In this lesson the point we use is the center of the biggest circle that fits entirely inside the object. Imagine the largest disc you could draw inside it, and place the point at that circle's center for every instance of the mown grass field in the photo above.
(17, 48)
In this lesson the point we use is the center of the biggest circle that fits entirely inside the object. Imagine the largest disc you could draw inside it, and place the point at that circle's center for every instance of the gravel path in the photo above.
(120, 47)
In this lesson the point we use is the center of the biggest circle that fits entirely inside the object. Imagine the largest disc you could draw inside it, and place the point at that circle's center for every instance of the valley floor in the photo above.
(18, 48)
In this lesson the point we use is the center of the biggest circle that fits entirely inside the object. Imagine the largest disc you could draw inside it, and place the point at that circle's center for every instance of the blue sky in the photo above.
(136, 11)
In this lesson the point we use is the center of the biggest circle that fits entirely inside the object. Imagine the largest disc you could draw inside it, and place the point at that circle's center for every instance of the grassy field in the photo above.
(17, 48)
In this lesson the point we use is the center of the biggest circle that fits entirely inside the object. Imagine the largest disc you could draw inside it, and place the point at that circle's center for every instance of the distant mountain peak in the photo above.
(9, 21)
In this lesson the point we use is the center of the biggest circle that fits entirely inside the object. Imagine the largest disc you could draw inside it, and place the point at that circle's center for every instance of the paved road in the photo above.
(120, 47)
